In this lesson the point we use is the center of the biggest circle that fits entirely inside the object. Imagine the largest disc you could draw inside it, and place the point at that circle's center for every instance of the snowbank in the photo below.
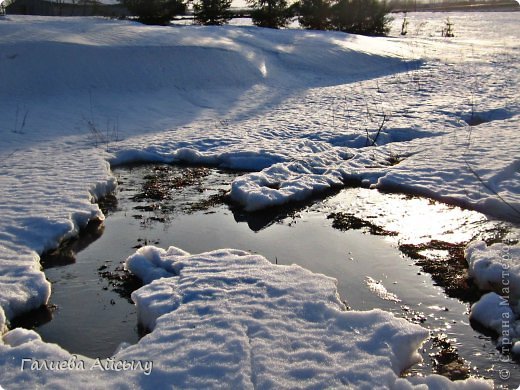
(114, 57)
(43, 206)
(258, 320)
(497, 268)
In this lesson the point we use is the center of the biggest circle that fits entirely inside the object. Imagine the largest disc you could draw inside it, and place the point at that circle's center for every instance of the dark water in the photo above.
(93, 314)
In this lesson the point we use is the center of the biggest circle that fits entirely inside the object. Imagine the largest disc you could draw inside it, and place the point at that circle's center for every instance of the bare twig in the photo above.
(19, 129)
(111, 133)
(370, 141)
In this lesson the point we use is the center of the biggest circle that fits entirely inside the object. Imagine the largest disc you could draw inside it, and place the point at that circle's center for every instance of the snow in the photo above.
(243, 313)
(296, 108)
(490, 310)
(493, 312)
(497, 268)
(516, 348)
(230, 318)
(434, 382)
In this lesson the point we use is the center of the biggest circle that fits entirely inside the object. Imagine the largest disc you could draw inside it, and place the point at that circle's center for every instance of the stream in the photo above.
(376, 245)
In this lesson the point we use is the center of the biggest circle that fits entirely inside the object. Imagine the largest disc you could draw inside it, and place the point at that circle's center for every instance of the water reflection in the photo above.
(66, 253)
(34, 318)
(417, 220)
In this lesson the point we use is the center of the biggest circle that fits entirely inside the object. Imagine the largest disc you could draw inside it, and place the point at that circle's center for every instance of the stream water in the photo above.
(356, 235)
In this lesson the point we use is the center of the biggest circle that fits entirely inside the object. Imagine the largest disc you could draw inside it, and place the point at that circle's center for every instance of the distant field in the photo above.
(510, 6)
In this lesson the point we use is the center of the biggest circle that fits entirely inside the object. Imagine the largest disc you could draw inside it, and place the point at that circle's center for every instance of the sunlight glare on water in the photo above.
(416, 219)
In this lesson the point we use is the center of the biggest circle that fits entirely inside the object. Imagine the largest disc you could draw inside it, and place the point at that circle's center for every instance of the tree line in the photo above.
(368, 17)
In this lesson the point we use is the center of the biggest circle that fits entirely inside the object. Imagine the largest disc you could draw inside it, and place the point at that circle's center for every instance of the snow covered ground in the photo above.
(303, 111)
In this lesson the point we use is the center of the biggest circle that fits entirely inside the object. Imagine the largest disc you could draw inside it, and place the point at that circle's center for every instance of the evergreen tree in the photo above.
(368, 17)
(212, 12)
(155, 11)
(270, 13)
(314, 14)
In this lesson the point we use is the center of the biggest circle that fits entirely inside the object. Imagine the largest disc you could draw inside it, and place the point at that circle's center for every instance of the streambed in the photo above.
(363, 238)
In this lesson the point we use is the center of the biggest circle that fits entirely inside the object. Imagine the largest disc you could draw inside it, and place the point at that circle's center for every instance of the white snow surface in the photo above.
(493, 311)
(497, 268)
(298, 108)
(243, 314)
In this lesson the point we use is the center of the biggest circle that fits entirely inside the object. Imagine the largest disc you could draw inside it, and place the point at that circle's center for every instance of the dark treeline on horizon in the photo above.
(368, 17)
